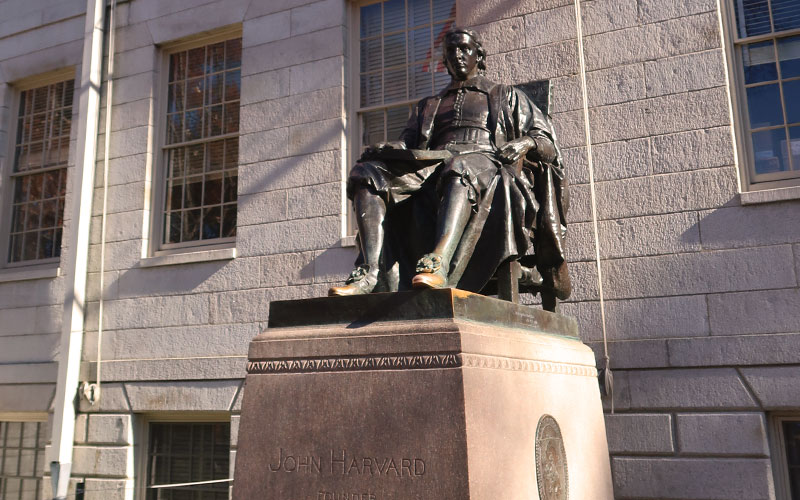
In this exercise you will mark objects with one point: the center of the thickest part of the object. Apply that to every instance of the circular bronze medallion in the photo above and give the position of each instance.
(551, 461)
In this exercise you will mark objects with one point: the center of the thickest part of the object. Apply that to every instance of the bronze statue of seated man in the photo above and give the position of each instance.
(464, 190)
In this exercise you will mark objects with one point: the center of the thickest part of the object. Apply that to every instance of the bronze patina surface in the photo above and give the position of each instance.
(418, 305)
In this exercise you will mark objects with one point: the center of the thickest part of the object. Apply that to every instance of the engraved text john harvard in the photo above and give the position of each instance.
(340, 463)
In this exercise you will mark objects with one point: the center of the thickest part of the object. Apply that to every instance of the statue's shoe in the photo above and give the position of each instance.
(360, 282)
(430, 272)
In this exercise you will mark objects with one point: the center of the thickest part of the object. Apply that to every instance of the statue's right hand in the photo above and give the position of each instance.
(375, 149)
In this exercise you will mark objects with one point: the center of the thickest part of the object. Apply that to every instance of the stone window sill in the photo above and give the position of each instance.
(348, 241)
(29, 273)
(770, 195)
(189, 257)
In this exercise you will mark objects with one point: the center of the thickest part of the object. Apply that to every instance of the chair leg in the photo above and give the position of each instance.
(508, 275)
(549, 301)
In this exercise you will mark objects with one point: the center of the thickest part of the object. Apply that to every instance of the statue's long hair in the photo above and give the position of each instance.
(474, 36)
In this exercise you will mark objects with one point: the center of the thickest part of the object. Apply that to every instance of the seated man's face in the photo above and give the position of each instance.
(461, 56)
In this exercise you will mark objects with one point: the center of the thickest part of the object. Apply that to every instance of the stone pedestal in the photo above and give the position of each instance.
(438, 394)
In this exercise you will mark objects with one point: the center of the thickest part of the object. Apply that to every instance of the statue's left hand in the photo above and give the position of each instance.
(512, 151)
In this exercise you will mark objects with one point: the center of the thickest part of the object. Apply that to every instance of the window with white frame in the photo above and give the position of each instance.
(188, 461)
(767, 53)
(786, 455)
(38, 175)
(399, 62)
(201, 145)
(23, 462)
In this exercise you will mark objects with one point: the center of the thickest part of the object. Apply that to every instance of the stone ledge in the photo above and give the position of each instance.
(189, 257)
(770, 195)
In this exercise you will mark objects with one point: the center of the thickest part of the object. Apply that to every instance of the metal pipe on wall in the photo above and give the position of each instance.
(82, 178)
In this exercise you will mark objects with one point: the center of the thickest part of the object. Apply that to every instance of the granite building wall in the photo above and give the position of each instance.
(702, 294)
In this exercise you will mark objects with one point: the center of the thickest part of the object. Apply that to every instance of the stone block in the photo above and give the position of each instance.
(796, 249)
(239, 306)
(299, 49)
(151, 10)
(767, 311)
(316, 16)
(293, 110)
(316, 137)
(569, 127)
(18, 321)
(126, 116)
(102, 461)
(584, 281)
(132, 62)
(317, 75)
(110, 288)
(34, 348)
(775, 387)
(732, 227)
(658, 317)
(53, 35)
(125, 142)
(653, 41)
(577, 165)
(633, 354)
(769, 349)
(701, 189)
(549, 26)
(265, 29)
(706, 148)
(120, 226)
(80, 428)
(642, 118)
(474, 12)
(600, 16)
(333, 265)
(565, 94)
(126, 170)
(722, 434)
(132, 36)
(184, 342)
(49, 59)
(291, 172)
(502, 36)
(113, 399)
(63, 10)
(289, 236)
(633, 434)
(131, 89)
(287, 269)
(622, 159)
(587, 314)
(107, 489)
(110, 429)
(265, 86)
(316, 201)
(615, 85)
(148, 312)
(26, 397)
(172, 370)
(262, 146)
(657, 10)
(713, 388)
(29, 373)
(193, 20)
(21, 22)
(672, 75)
(535, 63)
(696, 273)
(258, 9)
(688, 479)
(261, 208)
(209, 395)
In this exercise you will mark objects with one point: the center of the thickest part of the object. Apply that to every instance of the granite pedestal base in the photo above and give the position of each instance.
(438, 394)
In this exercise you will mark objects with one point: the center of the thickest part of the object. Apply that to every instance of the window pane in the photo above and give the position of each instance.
(396, 119)
(420, 82)
(394, 85)
(789, 55)
(786, 14)
(419, 44)
(370, 20)
(444, 9)
(394, 50)
(791, 95)
(419, 13)
(370, 54)
(394, 15)
(752, 17)
(373, 128)
(791, 436)
(233, 53)
(764, 104)
(759, 62)
(794, 146)
(770, 151)
(37, 198)
(188, 452)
